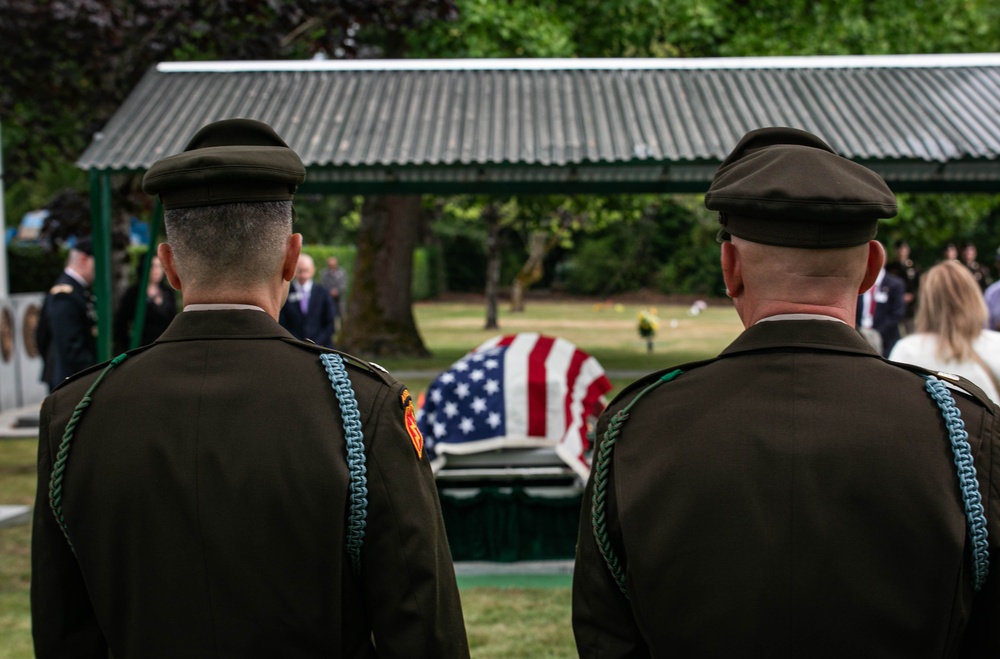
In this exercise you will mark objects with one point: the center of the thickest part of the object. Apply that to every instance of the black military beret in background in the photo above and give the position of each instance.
(228, 161)
(85, 245)
(786, 187)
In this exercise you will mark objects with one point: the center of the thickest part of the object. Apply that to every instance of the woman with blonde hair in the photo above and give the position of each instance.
(950, 337)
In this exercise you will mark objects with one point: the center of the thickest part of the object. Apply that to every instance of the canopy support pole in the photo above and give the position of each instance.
(100, 234)
(139, 321)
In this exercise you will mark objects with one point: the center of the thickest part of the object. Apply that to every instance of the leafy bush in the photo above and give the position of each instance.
(426, 278)
(669, 248)
(32, 269)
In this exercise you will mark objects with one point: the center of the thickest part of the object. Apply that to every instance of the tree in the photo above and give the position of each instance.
(492, 218)
(379, 307)
(66, 65)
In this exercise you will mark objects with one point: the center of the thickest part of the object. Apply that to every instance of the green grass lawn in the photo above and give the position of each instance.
(502, 623)
(17, 486)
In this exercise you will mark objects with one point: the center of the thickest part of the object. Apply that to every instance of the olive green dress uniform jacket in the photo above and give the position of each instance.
(206, 496)
(795, 497)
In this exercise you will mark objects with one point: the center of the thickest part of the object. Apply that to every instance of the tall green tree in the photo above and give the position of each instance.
(66, 65)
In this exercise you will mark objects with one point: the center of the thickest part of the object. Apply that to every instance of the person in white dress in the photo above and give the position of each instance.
(950, 336)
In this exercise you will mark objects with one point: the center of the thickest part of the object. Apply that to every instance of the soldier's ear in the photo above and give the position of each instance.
(732, 273)
(292, 250)
(876, 259)
(169, 269)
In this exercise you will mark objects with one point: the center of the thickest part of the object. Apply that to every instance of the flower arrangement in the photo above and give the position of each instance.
(648, 324)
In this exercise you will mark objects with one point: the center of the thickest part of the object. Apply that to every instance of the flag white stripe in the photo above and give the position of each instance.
(515, 390)
(557, 388)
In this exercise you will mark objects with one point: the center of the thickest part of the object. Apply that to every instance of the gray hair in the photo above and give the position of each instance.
(229, 244)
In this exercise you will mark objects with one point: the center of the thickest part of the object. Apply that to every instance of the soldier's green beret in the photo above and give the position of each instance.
(228, 161)
(787, 187)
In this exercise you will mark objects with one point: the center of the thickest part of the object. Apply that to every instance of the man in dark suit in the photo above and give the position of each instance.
(881, 309)
(308, 311)
(232, 491)
(797, 496)
(910, 272)
(67, 331)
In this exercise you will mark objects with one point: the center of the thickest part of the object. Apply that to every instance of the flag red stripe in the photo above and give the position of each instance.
(537, 389)
(572, 373)
(597, 388)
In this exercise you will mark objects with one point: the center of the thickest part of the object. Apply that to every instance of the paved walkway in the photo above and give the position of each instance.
(20, 422)
(12, 515)
(520, 574)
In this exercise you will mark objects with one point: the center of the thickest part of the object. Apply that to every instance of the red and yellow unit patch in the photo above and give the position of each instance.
(410, 421)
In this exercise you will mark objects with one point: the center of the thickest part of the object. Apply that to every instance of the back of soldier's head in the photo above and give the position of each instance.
(228, 202)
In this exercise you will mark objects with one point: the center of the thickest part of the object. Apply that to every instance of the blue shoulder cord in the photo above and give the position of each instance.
(957, 435)
(967, 481)
(354, 439)
(337, 373)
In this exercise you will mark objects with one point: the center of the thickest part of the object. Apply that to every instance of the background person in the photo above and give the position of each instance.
(881, 309)
(161, 307)
(308, 311)
(979, 272)
(210, 505)
(909, 271)
(992, 297)
(66, 334)
(796, 496)
(950, 335)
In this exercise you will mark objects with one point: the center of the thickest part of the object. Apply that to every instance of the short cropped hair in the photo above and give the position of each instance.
(950, 305)
(229, 244)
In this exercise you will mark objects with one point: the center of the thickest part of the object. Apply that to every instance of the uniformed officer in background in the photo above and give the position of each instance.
(66, 334)
(797, 496)
(230, 491)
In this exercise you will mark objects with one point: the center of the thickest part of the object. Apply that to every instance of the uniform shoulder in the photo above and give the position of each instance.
(955, 382)
(352, 363)
(60, 289)
(631, 390)
(87, 375)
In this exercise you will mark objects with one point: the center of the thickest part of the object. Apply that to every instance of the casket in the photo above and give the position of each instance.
(509, 430)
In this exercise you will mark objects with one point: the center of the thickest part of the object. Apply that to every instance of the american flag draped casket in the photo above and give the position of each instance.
(517, 391)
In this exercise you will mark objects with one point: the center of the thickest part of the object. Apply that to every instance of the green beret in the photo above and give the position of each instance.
(229, 161)
(786, 187)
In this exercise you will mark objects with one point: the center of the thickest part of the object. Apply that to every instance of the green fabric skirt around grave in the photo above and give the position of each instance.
(511, 523)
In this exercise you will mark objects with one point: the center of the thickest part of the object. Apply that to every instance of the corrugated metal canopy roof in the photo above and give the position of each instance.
(925, 122)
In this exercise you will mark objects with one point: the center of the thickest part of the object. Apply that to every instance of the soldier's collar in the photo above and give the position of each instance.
(76, 276)
(221, 307)
(800, 316)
